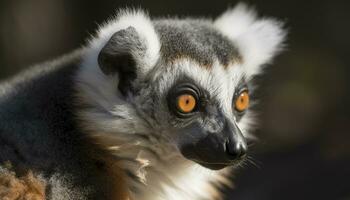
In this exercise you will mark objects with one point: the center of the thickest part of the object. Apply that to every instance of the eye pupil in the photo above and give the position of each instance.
(186, 103)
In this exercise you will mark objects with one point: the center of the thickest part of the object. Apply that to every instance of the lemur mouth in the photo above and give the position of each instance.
(219, 166)
(214, 166)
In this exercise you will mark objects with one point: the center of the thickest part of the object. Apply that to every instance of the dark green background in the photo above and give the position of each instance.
(304, 147)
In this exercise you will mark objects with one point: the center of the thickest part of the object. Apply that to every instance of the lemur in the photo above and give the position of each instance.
(149, 109)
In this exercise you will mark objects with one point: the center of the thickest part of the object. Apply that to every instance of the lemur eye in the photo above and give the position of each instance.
(184, 99)
(242, 101)
(186, 103)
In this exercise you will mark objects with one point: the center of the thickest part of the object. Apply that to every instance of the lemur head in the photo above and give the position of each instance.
(182, 84)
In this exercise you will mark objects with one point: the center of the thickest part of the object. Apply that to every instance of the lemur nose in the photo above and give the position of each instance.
(236, 151)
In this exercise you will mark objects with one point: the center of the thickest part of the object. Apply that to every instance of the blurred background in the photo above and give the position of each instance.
(304, 147)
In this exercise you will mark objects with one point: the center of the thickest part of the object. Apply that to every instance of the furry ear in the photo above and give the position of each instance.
(122, 53)
(127, 45)
(258, 40)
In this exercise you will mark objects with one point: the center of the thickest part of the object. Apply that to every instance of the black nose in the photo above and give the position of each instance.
(235, 150)
(235, 146)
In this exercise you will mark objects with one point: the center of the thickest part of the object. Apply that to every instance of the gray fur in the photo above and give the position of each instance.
(38, 131)
(195, 39)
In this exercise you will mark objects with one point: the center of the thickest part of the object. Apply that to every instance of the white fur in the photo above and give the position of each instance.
(127, 18)
(179, 179)
(258, 40)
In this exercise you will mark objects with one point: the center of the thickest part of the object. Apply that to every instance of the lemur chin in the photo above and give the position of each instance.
(150, 109)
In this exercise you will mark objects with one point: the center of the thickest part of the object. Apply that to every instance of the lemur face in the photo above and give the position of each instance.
(203, 89)
(187, 80)
(201, 110)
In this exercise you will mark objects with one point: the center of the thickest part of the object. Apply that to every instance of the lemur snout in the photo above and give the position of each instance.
(216, 150)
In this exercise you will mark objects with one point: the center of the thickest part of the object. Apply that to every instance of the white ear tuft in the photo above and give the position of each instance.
(137, 19)
(258, 40)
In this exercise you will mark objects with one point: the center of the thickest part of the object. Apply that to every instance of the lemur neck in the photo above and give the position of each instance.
(168, 176)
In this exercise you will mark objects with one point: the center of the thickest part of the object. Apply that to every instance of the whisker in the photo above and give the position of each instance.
(253, 162)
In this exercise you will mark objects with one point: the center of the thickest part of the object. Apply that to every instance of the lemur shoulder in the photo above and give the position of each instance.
(149, 109)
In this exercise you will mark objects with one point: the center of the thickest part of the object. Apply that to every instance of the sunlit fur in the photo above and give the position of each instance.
(145, 145)
(33, 186)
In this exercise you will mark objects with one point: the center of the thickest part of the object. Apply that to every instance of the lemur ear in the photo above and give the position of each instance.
(258, 40)
(122, 53)
(117, 54)
(127, 46)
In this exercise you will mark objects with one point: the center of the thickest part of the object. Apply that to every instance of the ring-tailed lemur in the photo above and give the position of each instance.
(148, 110)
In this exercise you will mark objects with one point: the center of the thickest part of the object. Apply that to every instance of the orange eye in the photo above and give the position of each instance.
(186, 103)
(242, 102)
